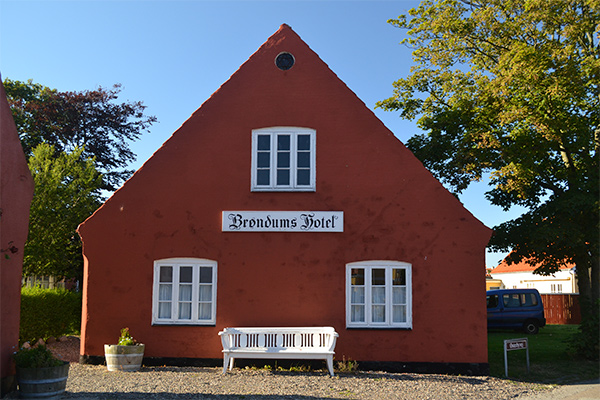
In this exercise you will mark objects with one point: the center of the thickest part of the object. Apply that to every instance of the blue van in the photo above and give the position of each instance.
(515, 309)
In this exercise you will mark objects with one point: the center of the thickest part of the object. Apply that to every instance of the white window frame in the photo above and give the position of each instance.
(272, 132)
(368, 266)
(177, 263)
(556, 288)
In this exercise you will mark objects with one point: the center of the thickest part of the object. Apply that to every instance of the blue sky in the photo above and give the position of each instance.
(173, 55)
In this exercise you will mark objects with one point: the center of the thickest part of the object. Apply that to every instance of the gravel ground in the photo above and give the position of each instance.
(95, 382)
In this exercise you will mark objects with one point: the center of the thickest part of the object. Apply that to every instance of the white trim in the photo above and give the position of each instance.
(388, 266)
(176, 263)
(272, 132)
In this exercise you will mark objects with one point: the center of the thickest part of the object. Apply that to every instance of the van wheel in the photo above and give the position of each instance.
(531, 327)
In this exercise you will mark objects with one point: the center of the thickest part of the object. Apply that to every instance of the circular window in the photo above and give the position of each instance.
(284, 61)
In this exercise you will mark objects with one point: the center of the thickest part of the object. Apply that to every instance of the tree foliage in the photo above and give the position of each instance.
(510, 89)
(91, 120)
(67, 191)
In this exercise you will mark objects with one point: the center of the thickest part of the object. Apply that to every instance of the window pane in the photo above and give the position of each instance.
(185, 274)
(378, 276)
(264, 142)
(303, 177)
(378, 295)
(164, 310)
(528, 299)
(303, 142)
(358, 295)
(205, 274)
(511, 300)
(165, 292)
(303, 159)
(283, 142)
(166, 274)
(492, 301)
(398, 277)
(263, 177)
(399, 314)
(264, 160)
(283, 159)
(185, 310)
(378, 313)
(399, 295)
(358, 276)
(204, 311)
(357, 313)
(185, 293)
(205, 293)
(283, 177)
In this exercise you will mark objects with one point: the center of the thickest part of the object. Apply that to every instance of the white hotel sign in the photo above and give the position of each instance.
(283, 221)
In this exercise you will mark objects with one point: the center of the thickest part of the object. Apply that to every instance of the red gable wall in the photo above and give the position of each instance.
(393, 210)
(16, 192)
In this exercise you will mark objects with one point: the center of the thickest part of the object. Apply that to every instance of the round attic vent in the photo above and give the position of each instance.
(284, 61)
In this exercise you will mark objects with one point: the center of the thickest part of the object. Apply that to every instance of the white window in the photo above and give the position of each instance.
(378, 294)
(556, 288)
(283, 159)
(184, 292)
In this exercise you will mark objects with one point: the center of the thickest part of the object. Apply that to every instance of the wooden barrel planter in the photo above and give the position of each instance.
(123, 358)
(42, 383)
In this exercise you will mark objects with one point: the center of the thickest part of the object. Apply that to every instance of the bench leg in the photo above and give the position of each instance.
(231, 361)
(225, 363)
(330, 365)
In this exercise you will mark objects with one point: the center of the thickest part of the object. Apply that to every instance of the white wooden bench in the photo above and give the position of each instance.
(315, 343)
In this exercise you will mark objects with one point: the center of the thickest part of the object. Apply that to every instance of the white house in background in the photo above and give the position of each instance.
(518, 276)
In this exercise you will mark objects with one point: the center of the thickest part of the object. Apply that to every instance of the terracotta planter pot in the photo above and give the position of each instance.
(123, 358)
(42, 383)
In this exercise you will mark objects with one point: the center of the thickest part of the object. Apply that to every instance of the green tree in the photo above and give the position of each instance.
(510, 90)
(67, 191)
(90, 119)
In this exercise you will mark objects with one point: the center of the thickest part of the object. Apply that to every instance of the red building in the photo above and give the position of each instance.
(283, 201)
(16, 192)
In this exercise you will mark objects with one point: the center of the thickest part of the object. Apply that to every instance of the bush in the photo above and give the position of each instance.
(36, 357)
(586, 343)
(49, 312)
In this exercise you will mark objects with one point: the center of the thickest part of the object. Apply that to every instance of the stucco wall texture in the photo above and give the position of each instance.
(16, 192)
(393, 210)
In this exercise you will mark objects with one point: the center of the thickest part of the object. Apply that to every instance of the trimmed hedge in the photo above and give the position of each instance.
(49, 312)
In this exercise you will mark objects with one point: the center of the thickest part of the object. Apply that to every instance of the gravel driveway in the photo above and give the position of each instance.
(95, 382)
(178, 383)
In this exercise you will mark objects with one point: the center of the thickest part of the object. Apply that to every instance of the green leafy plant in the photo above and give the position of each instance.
(36, 357)
(126, 339)
(585, 342)
(347, 365)
(49, 312)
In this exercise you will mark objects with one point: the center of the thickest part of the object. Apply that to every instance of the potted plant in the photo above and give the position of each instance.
(126, 355)
(40, 374)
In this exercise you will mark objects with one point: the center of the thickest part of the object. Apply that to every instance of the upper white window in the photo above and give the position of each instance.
(283, 159)
(184, 292)
(378, 294)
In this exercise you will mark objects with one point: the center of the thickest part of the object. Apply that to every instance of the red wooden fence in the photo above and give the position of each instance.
(562, 309)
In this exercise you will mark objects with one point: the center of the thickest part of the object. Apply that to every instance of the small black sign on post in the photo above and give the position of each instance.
(515, 344)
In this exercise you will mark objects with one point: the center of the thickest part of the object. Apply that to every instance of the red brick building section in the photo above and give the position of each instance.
(401, 282)
(16, 192)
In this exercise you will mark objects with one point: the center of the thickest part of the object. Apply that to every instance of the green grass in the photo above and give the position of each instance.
(549, 357)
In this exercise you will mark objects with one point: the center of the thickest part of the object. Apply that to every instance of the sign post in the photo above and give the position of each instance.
(515, 344)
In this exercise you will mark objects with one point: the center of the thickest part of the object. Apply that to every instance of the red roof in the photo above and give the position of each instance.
(522, 266)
